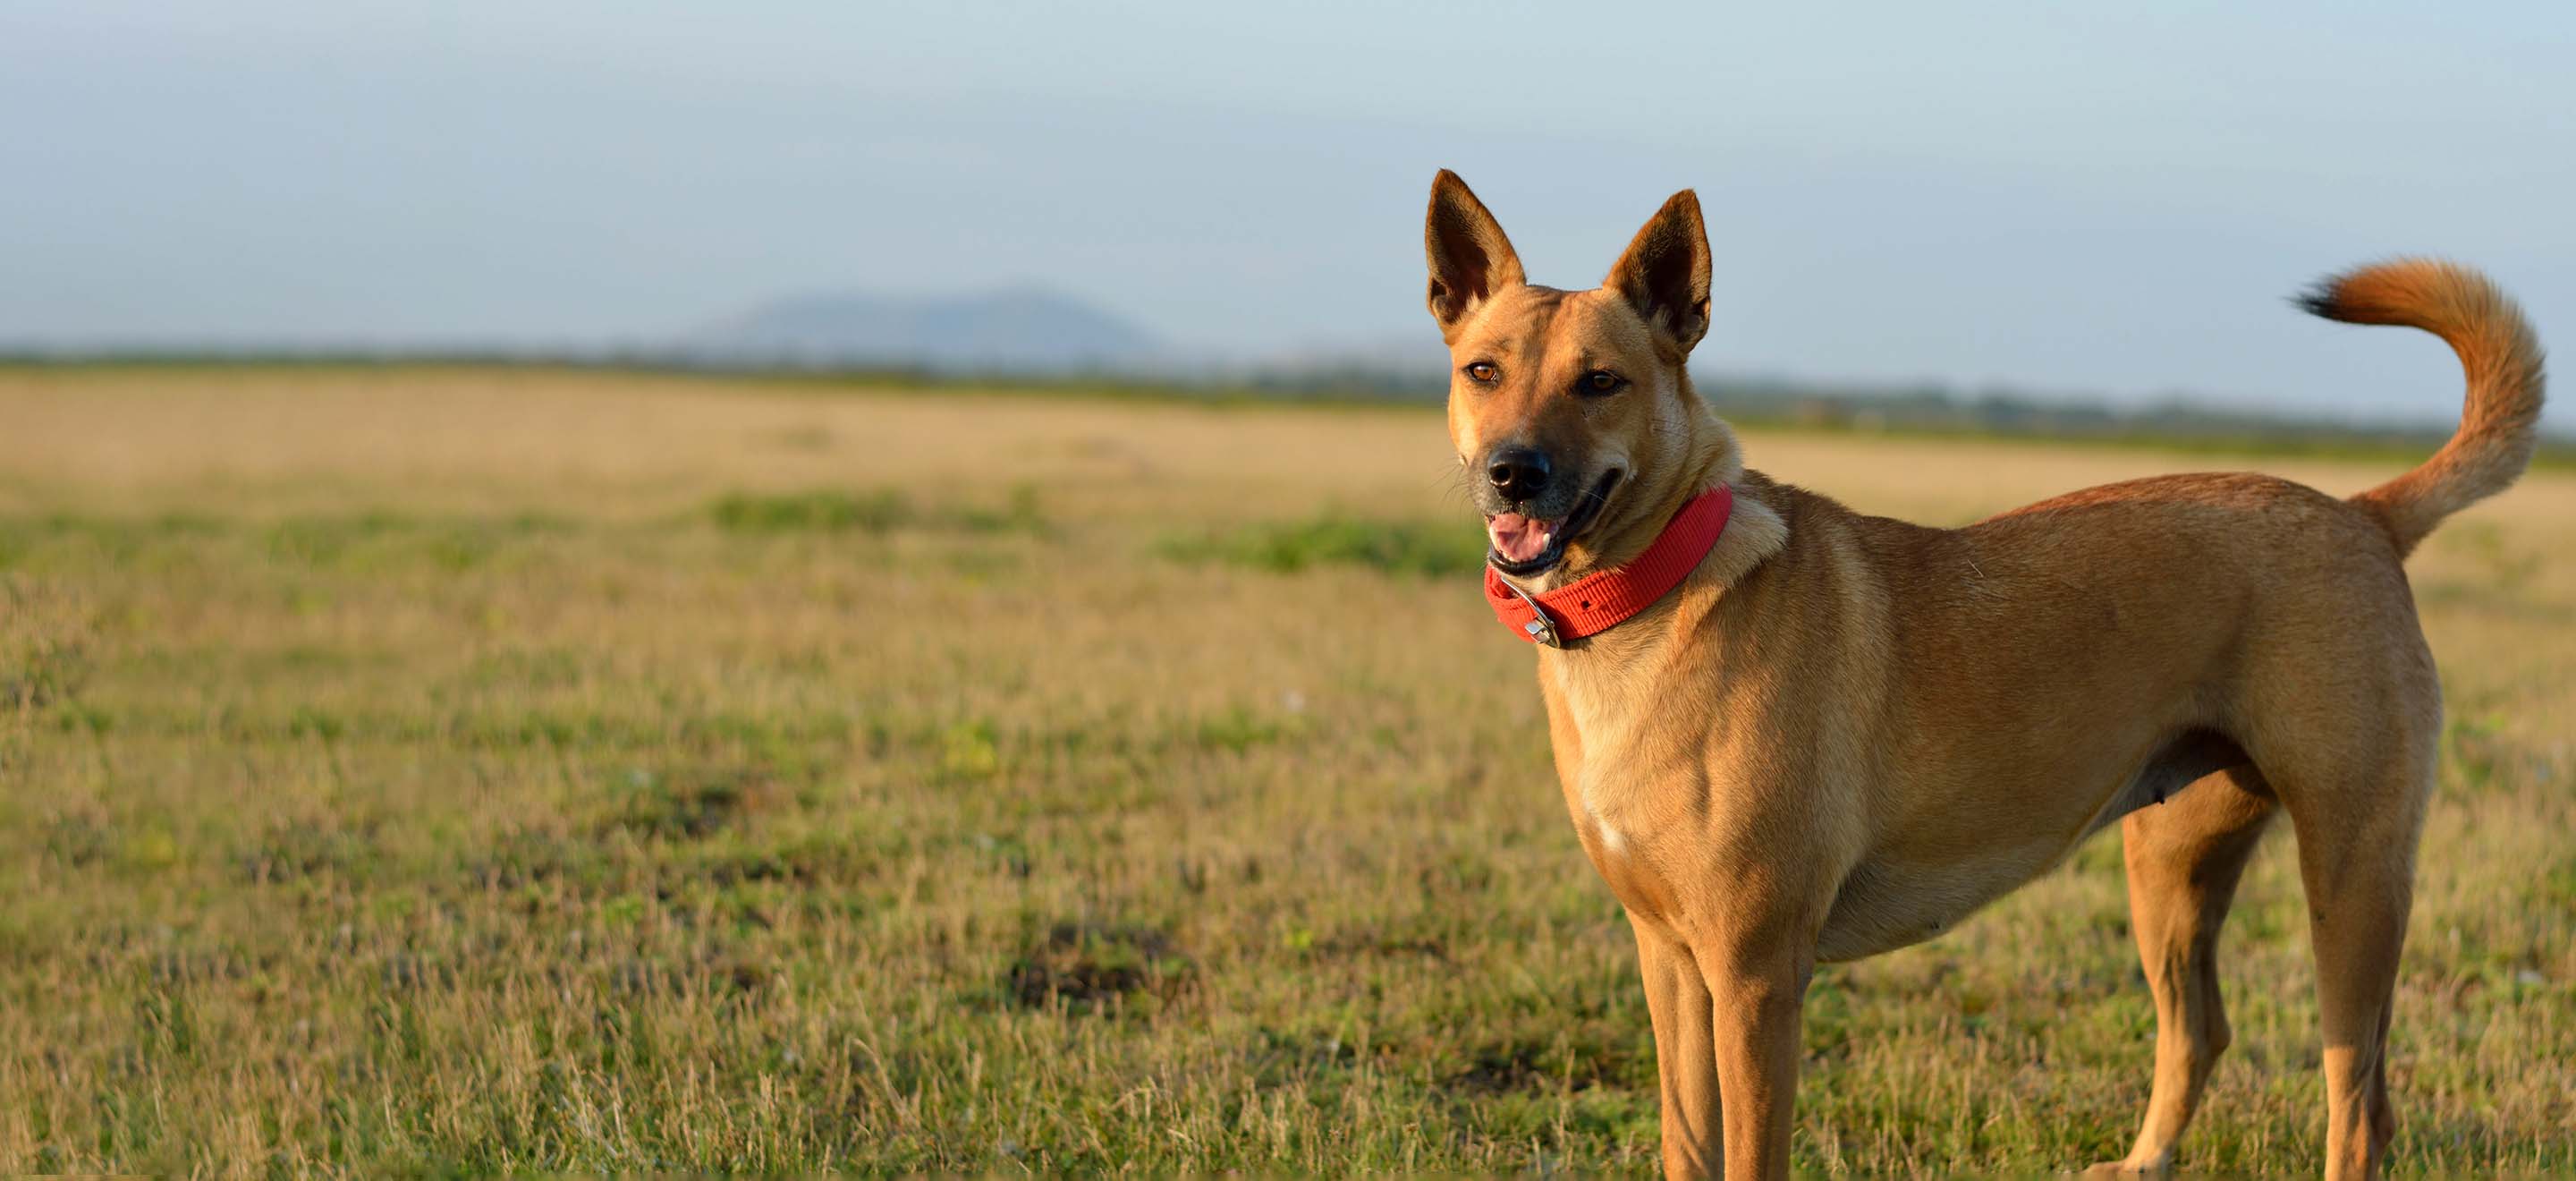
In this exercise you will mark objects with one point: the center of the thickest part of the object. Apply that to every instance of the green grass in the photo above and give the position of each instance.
(792, 824)
(1396, 547)
(824, 511)
(832, 510)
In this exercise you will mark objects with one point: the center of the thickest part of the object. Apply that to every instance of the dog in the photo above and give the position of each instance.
(1789, 733)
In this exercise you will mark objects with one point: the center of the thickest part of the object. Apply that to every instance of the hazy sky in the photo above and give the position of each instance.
(2046, 194)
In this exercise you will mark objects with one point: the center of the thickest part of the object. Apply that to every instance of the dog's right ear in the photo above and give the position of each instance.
(1469, 256)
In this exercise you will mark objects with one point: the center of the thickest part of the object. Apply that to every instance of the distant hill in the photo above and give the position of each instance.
(1037, 338)
(1022, 330)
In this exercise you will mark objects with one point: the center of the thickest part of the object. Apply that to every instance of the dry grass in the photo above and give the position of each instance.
(479, 770)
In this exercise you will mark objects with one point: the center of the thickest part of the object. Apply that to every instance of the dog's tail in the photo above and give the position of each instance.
(2501, 425)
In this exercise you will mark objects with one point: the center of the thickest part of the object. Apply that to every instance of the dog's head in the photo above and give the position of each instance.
(1569, 409)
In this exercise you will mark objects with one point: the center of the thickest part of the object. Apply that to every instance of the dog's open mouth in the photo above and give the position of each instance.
(1523, 546)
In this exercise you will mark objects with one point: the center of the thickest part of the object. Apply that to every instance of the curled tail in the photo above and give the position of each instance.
(2501, 425)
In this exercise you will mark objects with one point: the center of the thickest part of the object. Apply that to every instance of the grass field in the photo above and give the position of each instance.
(462, 770)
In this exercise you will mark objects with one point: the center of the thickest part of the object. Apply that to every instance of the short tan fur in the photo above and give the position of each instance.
(1843, 734)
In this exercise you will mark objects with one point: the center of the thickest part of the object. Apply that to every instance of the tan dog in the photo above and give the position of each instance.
(1842, 734)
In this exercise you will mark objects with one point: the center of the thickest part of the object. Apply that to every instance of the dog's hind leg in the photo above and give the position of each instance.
(2184, 858)
(2357, 861)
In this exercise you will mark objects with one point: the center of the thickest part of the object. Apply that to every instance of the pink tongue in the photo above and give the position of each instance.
(1517, 538)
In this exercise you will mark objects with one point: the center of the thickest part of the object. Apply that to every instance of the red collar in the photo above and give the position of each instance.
(1598, 602)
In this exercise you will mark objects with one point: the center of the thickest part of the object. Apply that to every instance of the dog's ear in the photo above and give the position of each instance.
(1664, 274)
(1469, 256)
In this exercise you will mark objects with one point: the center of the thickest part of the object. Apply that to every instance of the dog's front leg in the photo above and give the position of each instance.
(1758, 994)
(1685, 1053)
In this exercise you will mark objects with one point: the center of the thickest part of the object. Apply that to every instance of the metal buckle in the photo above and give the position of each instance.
(1538, 628)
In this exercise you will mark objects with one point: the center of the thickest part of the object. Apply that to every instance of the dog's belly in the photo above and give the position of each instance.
(1891, 901)
(1885, 905)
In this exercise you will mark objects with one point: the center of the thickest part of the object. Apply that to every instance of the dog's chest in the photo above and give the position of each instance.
(1632, 735)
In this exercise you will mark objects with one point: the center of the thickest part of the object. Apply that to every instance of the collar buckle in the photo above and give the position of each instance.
(1538, 629)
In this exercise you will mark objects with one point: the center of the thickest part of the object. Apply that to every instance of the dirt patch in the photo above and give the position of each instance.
(1530, 1066)
(1100, 967)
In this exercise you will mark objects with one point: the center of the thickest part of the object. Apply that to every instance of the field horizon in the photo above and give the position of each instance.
(461, 769)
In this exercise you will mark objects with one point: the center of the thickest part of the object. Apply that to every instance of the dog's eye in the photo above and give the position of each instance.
(1600, 381)
(1483, 371)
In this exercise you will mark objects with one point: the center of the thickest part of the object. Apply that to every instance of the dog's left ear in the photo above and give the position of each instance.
(1664, 274)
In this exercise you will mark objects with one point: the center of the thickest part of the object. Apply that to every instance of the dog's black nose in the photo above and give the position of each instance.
(1519, 473)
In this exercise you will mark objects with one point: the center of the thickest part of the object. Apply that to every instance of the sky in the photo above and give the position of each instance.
(2097, 198)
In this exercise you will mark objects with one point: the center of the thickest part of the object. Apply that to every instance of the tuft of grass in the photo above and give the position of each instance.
(1019, 513)
(1396, 547)
(302, 848)
(44, 645)
(1101, 968)
(832, 510)
(816, 511)
(970, 750)
(1238, 729)
(689, 802)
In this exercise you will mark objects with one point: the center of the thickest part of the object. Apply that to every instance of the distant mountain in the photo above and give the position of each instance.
(1015, 330)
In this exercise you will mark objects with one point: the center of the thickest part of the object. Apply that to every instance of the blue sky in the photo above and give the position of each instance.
(2086, 197)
